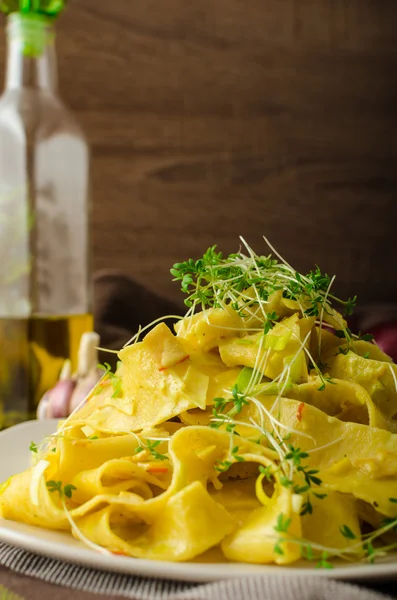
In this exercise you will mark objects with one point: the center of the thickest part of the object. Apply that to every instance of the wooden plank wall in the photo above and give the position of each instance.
(214, 118)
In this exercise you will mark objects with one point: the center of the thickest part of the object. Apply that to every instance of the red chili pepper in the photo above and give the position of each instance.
(300, 410)
(157, 469)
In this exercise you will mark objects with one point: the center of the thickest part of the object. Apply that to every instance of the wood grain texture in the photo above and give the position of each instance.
(214, 118)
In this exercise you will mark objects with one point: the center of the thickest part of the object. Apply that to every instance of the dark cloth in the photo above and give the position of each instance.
(121, 305)
(34, 589)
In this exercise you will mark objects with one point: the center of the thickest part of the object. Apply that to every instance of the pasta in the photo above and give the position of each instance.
(260, 430)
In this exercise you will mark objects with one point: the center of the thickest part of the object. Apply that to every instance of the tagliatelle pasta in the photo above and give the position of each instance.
(261, 428)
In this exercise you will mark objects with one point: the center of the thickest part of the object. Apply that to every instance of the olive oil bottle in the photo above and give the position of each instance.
(44, 212)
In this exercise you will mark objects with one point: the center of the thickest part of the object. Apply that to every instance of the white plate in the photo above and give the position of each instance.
(14, 450)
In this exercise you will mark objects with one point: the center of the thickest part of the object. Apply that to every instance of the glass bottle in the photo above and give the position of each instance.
(44, 213)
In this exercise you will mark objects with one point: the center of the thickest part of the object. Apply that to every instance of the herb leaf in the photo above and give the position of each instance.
(347, 532)
(33, 448)
(282, 524)
(277, 549)
(323, 563)
(58, 487)
(68, 490)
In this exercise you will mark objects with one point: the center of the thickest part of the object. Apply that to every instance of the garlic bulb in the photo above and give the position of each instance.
(72, 389)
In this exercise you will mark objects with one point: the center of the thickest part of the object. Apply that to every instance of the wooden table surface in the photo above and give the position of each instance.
(213, 118)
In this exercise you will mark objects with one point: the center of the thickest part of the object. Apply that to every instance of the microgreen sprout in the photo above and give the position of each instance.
(271, 319)
(150, 446)
(266, 471)
(282, 524)
(223, 465)
(218, 281)
(323, 563)
(114, 379)
(234, 456)
(347, 532)
(63, 490)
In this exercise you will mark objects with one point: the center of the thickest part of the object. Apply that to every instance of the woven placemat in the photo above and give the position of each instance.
(269, 587)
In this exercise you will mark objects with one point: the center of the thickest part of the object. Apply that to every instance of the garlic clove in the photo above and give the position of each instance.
(42, 408)
(87, 373)
(56, 400)
(59, 399)
(83, 388)
(88, 353)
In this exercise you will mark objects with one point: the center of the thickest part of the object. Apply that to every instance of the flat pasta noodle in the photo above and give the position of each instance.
(345, 400)
(262, 431)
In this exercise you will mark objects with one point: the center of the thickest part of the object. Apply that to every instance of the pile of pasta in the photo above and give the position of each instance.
(225, 441)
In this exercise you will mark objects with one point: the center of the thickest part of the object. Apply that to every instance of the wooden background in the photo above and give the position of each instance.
(214, 118)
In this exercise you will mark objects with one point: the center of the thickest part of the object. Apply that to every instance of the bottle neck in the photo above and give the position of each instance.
(31, 56)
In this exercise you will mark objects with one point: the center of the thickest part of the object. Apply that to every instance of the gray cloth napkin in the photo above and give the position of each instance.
(268, 587)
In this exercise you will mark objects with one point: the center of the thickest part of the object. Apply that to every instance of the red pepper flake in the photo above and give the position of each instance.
(183, 359)
(103, 383)
(300, 410)
(119, 553)
(177, 363)
(157, 469)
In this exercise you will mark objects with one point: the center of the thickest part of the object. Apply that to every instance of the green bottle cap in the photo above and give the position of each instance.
(33, 31)
(48, 8)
